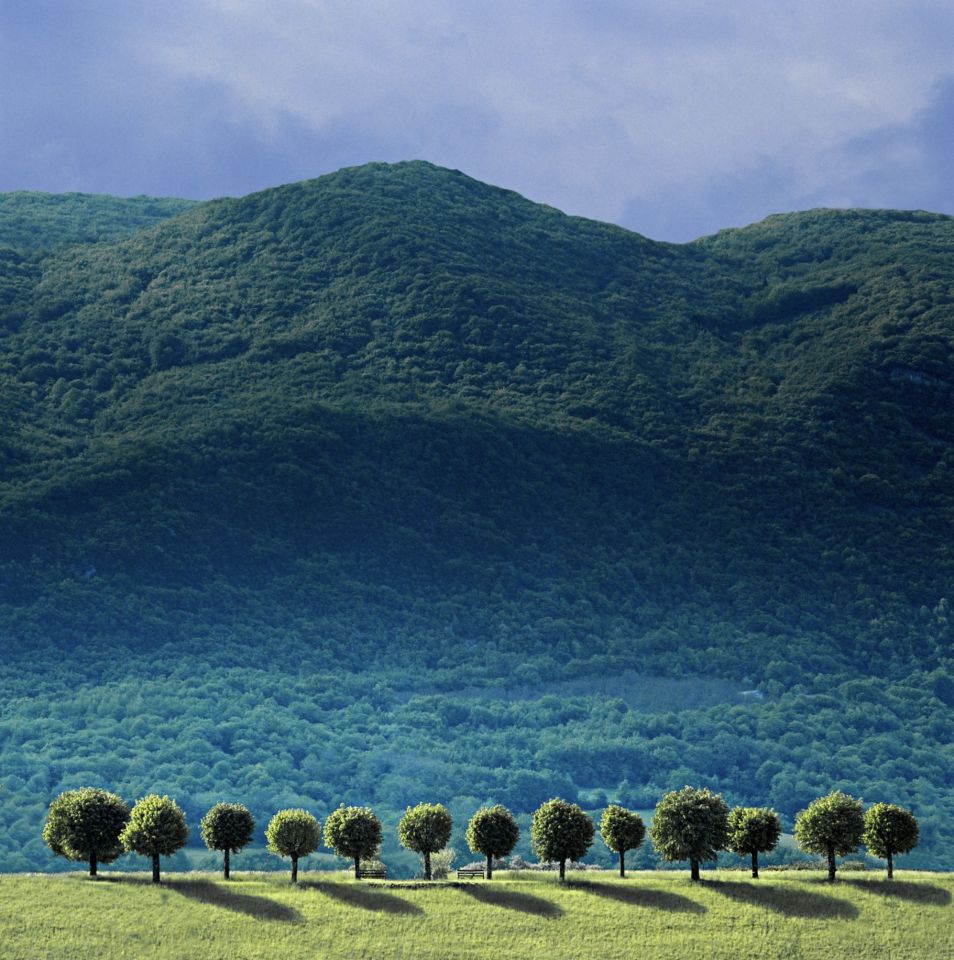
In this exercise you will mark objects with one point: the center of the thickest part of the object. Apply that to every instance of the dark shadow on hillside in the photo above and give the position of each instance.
(219, 895)
(792, 902)
(905, 890)
(511, 900)
(641, 896)
(365, 898)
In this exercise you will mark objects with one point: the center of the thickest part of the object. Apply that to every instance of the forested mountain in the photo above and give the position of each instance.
(359, 489)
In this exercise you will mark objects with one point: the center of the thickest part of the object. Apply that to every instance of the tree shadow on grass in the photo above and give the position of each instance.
(218, 895)
(511, 900)
(792, 901)
(641, 896)
(365, 898)
(905, 890)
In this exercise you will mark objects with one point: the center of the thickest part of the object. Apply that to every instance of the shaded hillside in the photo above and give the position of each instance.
(398, 421)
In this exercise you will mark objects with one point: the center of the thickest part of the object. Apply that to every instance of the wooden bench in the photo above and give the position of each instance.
(372, 874)
(471, 872)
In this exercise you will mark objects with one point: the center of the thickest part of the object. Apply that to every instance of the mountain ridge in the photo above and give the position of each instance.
(396, 423)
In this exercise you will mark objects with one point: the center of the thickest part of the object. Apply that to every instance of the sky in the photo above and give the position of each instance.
(674, 118)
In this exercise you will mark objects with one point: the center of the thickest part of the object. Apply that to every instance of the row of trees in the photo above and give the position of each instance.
(690, 824)
(695, 825)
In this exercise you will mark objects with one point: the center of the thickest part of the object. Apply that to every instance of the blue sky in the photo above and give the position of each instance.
(671, 118)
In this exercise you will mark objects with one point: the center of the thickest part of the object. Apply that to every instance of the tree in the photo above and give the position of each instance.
(227, 827)
(353, 832)
(690, 824)
(157, 827)
(86, 825)
(560, 831)
(831, 825)
(295, 834)
(621, 830)
(753, 830)
(425, 829)
(493, 832)
(890, 829)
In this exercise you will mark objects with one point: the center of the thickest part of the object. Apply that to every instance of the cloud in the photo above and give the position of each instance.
(671, 117)
(897, 166)
(904, 165)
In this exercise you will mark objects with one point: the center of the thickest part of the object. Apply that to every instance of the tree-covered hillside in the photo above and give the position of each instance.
(32, 221)
(412, 464)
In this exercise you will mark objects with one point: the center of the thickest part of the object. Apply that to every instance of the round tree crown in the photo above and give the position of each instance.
(690, 824)
(621, 829)
(353, 832)
(753, 830)
(293, 833)
(493, 832)
(86, 822)
(834, 822)
(890, 829)
(156, 825)
(425, 828)
(561, 831)
(227, 826)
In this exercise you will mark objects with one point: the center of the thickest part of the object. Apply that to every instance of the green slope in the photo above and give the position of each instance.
(521, 915)
(399, 422)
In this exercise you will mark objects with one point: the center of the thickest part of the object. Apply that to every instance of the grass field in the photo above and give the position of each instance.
(516, 916)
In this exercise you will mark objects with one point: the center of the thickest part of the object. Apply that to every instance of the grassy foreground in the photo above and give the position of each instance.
(516, 915)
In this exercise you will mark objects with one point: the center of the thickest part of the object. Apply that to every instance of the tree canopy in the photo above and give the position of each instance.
(86, 824)
(751, 831)
(832, 825)
(690, 824)
(227, 827)
(293, 833)
(561, 831)
(888, 830)
(157, 827)
(494, 832)
(353, 832)
(425, 829)
(621, 830)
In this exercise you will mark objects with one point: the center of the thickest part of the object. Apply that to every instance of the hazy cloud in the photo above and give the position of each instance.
(674, 118)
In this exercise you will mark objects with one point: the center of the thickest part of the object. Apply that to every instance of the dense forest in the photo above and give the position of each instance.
(393, 486)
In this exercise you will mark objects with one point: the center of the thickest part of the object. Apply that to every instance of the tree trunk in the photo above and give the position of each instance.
(693, 869)
(490, 866)
(92, 864)
(622, 863)
(890, 866)
(155, 868)
(294, 878)
(562, 870)
(225, 869)
(427, 865)
(831, 865)
(755, 864)
(357, 868)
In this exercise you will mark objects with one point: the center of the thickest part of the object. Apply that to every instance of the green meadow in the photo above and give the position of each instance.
(525, 915)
